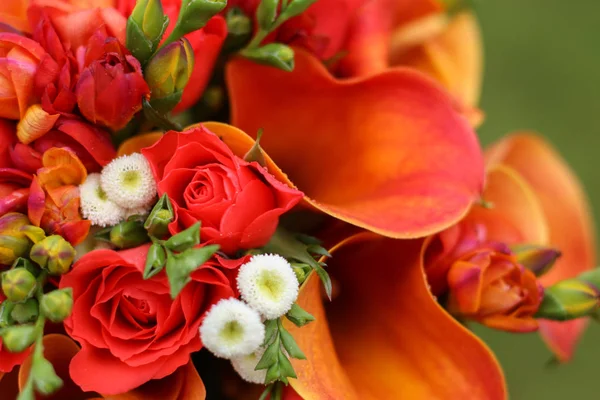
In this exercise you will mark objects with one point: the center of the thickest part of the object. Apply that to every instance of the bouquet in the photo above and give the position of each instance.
(281, 199)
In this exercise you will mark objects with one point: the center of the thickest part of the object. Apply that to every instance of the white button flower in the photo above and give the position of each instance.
(245, 367)
(96, 206)
(232, 329)
(268, 284)
(128, 181)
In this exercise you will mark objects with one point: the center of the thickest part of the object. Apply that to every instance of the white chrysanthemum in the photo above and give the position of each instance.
(128, 181)
(268, 284)
(232, 329)
(96, 206)
(245, 367)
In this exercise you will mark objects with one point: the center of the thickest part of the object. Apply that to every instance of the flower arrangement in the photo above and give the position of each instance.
(269, 199)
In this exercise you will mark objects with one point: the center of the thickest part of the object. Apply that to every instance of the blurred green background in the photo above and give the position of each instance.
(543, 73)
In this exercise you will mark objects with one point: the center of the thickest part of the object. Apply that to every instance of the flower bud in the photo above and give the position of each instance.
(568, 299)
(538, 259)
(157, 223)
(6, 318)
(128, 234)
(167, 74)
(16, 237)
(194, 14)
(145, 28)
(57, 305)
(185, 239)
(18, 338)
(266, 13)
(239, 28)
(23, 313)
(274, 54)
(18, 284)
(53, 253)
(155, 260)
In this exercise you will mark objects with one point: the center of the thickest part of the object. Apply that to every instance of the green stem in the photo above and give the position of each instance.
(38, 349)
(258, 38)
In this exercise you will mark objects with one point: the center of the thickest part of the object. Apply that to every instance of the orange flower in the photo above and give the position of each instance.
(418, 34)
(385, 336)
(389, 152)
(562, 220)
(535, 200)
(19, 60)
(183, 384)
(53, 202)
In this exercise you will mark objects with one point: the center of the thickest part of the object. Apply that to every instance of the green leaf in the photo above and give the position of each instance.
(256, 153)
(273, 373)
(45, 379)
(155, 260)
(184, 239)
(266, 13)
(319, 250)
(103, 235)
(180, 266)
(270, 356)
(288, 246)
(159, 119)
(270, 331)
(296, 7)
(273, 54)
(285, 366)
(298, 316)
(290, 345)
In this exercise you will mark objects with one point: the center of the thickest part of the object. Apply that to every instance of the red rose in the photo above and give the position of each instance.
(129, 329)
(111, 85)
(239, 203)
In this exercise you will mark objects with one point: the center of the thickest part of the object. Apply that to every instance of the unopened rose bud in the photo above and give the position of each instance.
(157, 223)
(569, 299)
(167, 74)
(53, 253)
(18, 338)
(18, 284)
(128, 234)
(145, 28)
(57, 305)
(538, 259)
(274, 54)
(23, 313)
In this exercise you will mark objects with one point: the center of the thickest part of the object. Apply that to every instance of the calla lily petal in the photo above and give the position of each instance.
(418, 175)
(397, 328)
(516, 215)
(566, 209)
(137, 143)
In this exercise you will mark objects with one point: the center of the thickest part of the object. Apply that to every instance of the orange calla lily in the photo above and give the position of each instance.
(417, 174)
(384, 335)
(183, 384)
(566, 212)
(421, 35)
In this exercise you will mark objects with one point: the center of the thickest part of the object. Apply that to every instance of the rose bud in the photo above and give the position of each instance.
(18, 338)
(57, 305)
(488, 285)
(111, 86)
(168, 72)
(538, 259)
(18, 284)
(23, 313)
(569, 299)
(128, 234)
(145, 27)
(53, 253)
